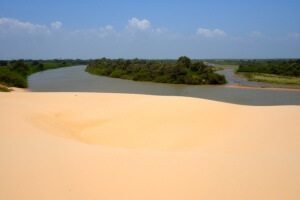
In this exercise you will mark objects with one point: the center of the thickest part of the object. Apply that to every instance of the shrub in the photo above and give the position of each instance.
(216, 79)
(12, 79)
(117, 73)
(20, 67)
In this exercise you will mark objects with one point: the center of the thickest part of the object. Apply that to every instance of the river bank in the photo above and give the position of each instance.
(75, 79)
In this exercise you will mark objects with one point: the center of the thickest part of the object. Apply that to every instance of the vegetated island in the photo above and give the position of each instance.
(284, 72)
(15, 73)
(182, 71)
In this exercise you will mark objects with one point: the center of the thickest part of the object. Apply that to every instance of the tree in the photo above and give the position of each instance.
(163, 71)
(40, 67)
(185, 61)
(198, 66)
(21, 67)
(3, 63)
(35, 63)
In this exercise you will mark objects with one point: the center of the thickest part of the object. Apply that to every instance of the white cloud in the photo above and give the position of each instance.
(107, 28)
(144, 25)
(10, 26)
(56, 25)
(294, 35)
(162, 30)
(28, 40)
(208, 33)
(139, 24)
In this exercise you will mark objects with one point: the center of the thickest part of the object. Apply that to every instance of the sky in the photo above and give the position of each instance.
(156, 29)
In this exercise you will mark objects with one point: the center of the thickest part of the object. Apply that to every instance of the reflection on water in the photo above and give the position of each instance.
(75, 79)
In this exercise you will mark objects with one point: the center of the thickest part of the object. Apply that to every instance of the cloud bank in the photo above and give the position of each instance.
(137, 38)
(56, 25)
(139, 24)
(13, 26)
(210, 33)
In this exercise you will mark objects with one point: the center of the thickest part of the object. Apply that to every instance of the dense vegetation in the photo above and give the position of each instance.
(224, 62)
(182, 71)
(278, 67)
(14, 73)
(291, 81)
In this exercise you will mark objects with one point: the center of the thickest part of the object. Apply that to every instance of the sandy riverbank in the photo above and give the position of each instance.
(264, 88)
(119, 146)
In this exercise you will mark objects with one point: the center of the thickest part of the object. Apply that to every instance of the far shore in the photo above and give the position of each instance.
(263, 88)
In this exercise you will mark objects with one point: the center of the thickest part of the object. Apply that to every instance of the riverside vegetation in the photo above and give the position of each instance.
(182, 71)
(286, 72)
(14, 73)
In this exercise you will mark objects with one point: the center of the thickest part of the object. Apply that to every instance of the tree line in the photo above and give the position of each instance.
(182, 71)
(14, 73)
(278, 67)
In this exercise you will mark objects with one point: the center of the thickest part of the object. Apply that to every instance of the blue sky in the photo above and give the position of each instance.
(149, 29)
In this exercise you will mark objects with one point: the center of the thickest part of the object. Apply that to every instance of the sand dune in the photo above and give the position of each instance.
(121, 146)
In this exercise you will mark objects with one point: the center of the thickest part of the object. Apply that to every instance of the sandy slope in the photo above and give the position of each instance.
(118, 146)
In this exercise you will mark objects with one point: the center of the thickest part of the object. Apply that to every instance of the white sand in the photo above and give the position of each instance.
(120, 146)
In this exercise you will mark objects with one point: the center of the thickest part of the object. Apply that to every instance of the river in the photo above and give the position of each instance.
(75, 79)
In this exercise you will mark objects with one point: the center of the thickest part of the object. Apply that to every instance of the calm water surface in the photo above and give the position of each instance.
(75, 79)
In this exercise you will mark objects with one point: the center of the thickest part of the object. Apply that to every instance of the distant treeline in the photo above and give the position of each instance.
(14, 73)
(279, 67)
(182, 71)
(224, 62)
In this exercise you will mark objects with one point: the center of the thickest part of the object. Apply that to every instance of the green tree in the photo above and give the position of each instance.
(40, 67)
(3, 63)
(35, 63)
(20, 67)
(185, 61)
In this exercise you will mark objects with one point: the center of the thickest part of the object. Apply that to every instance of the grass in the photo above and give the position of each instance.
(271, 78)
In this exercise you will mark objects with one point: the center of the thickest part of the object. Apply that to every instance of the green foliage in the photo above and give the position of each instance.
(12, 79)
(142, 75)
(279, 67)
(117, 73)
(271, 78)
(216, 79)
(3, 63)
(15, 73)
(35, 63)
(20, 67)
(224, 62)
(183, 71)
(40, 67)
(184, 61)
(198, 66)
